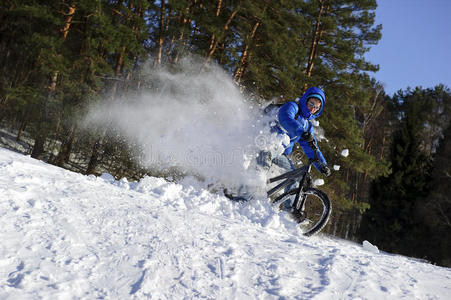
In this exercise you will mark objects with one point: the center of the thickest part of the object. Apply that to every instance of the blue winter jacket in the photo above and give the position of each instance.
(295, 126)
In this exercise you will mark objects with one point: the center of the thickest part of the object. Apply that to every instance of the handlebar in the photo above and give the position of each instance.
(315, 159)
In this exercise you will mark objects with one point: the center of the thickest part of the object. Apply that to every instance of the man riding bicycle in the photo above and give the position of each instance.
(295, 121)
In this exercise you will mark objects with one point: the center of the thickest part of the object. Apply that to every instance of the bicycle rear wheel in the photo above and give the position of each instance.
(316, 211)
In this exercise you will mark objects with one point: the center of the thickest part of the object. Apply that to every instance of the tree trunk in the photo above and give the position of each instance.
(98, 145)
(214, 41)
(161, 37)
(94, 160)
(66, 147)
(38, 148)
(238, 74)
(316, 38)
(218, 8)
(22, 127)
(171, 48)
(65, 31)
(182, 31)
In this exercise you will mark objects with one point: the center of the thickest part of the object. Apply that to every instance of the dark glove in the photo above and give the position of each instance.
(307, 136)
(325, 171)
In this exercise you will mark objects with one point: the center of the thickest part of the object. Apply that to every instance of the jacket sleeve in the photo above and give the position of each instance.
(311, 153)
(287, 119)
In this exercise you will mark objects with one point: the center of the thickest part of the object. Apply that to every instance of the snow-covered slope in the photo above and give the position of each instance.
(64, 235)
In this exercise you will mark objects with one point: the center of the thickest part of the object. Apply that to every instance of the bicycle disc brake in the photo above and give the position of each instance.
(299, 216)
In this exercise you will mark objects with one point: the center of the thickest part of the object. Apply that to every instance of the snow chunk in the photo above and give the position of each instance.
(318, 182)
(123, 183)
(369, 247)
(345, 152)
(108, 177)
(315, 123)
(336, 167)
(147, 184)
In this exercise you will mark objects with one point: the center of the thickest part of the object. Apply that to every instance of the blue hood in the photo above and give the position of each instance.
(312, 92)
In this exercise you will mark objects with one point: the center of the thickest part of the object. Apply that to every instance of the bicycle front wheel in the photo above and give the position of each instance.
(317, 209)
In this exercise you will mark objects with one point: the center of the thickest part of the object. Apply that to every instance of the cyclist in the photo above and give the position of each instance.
(295, 121)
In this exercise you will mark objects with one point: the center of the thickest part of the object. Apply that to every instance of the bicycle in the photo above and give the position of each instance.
(312, 207)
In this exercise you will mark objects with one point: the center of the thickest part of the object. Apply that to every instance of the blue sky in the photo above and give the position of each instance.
(415, 49)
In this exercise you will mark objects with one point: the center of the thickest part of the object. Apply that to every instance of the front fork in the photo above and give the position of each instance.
(299, 200)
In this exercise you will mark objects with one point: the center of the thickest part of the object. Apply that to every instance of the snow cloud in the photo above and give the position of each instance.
(197, 121)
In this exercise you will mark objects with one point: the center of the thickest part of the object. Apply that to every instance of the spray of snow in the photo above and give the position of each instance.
(199, 122)
(318, 182)
(345, 153)
(319, 131)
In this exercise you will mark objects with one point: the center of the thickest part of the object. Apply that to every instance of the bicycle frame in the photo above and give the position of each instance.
(302, 175)
(292, 177)
(305, 211)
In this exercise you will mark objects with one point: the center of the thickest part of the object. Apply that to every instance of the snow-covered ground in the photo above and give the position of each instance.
(65, 235)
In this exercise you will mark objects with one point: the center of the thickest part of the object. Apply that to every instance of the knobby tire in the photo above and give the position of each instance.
(326, 207)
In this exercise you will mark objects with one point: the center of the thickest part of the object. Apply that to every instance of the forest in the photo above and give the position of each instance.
(60, 56)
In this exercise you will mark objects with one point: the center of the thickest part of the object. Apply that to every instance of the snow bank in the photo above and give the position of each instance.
(65, 235)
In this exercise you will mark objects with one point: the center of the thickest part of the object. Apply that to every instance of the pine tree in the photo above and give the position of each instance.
(270, 68)
(390, 223)
(32, 38)
(123, 36)
(435, 209)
